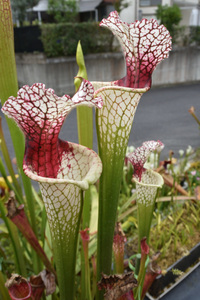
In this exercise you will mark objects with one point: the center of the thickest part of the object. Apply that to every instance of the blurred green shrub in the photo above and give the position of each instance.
(170, 17)
(195, 34)
(63, 11)
(61, 39)
(180, 36)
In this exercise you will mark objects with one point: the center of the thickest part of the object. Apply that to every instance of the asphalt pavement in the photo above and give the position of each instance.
(162, 114)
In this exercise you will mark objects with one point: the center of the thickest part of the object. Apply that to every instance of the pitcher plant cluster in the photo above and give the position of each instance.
(70, 174)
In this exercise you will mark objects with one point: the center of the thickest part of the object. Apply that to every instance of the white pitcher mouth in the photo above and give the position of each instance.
(85, 168)
(100, 86)
(154, 179)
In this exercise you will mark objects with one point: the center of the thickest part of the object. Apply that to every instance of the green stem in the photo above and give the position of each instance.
(195, 117)
(94, 279)
(18, 217)
(86, 292)
(140, 280)
(8, 78)
(119, 264)
(84, 113)
(13, 234)
(87, 280)
(145, 215)
(85, 128)
(85, 224)
(10, 186)
(8, 160)
(113, 123)
(18, 143)
(36, 260)
(3, 290)
(85, 136)
(9, 87)
(37, 265)
(109, 189)
(64, 226)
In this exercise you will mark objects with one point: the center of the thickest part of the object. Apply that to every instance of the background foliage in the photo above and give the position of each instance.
(62, 10)
(19, 8)
(61, 39)
(169, 16)
(195, 34)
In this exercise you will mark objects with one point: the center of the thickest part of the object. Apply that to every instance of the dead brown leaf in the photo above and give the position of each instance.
(117, 285)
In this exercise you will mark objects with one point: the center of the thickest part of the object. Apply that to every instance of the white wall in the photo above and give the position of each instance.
(166, 2)
(129, 14)
(186, 2)
(183, 65)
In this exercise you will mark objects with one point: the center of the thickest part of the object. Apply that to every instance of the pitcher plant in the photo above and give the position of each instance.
(145, 44)
(147, 184)
(63, 169)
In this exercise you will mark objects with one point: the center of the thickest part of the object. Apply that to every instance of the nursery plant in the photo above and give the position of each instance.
(145, 44)
(43, 228)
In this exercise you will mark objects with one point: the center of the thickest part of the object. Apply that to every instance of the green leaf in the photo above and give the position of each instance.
(84, 113)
